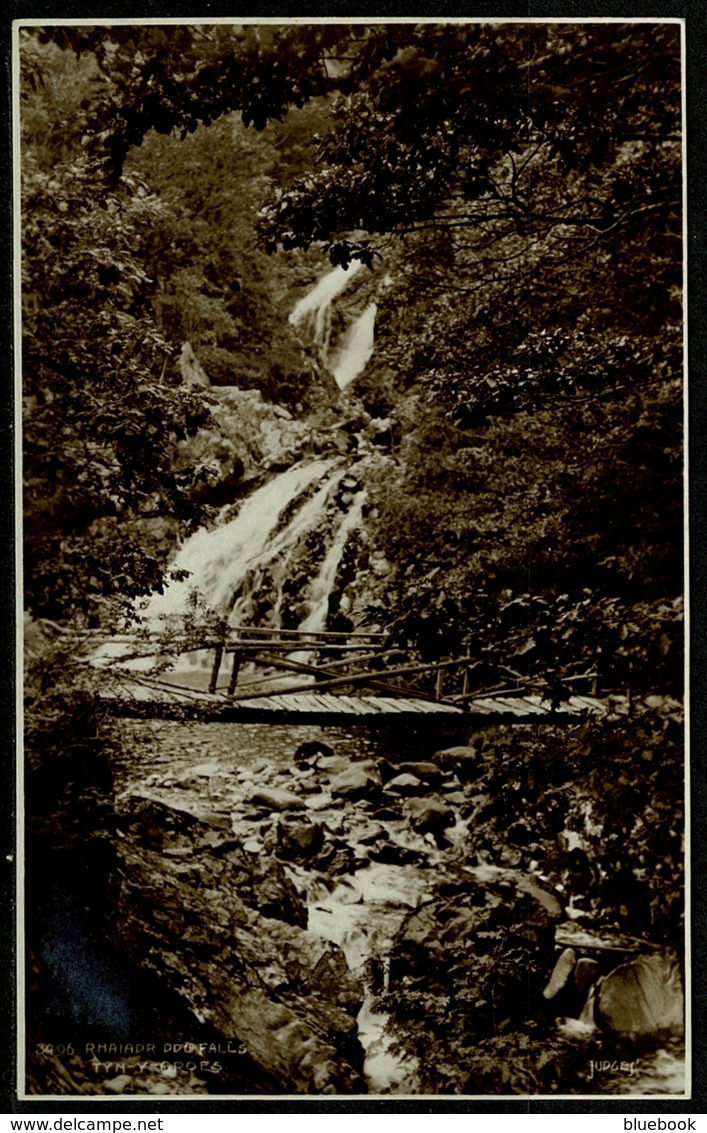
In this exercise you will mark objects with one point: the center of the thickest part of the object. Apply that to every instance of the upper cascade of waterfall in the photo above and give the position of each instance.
(355, 348)
(322, 295)
(348, 355)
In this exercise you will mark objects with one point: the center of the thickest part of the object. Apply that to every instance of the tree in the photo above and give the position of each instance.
(102, 412)
(512, 128)
(532, 176)
(215, 287)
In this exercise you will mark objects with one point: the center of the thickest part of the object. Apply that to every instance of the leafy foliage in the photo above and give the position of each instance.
(547, 547)
(172, 79)
(217, 289)
(466, 980)
(450, 128)
(528, 356)
(101, 420)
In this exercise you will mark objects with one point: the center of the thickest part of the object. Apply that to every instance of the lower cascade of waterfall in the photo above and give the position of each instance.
(220, 560)
(276, 561)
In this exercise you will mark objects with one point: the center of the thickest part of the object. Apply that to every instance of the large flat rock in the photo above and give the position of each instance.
(643, 997)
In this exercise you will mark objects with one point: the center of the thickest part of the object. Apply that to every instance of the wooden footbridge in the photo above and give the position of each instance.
(300, 676)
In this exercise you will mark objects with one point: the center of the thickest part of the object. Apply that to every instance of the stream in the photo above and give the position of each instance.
(222, 765)
(369, 872)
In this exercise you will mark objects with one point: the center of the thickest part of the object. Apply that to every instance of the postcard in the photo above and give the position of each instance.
(352, 394)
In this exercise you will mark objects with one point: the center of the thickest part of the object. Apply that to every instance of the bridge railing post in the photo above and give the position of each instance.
(218, 657)
(439, 684)
(235, 668)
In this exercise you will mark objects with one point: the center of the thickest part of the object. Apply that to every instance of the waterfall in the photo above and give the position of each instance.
(316, 304)
(354, 348)
(282, 551)
(321, 588)
(347, 357)
(362, 914)
(218, 560)
(260, 563)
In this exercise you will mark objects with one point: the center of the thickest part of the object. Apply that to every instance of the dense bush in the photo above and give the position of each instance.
(595, 812)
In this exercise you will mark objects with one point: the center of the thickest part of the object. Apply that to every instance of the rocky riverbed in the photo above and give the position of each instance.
(307, 913)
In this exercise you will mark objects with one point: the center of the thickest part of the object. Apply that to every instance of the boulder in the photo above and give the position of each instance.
(304, 781)
(310, 749)
(277, 798)
(548, 902)
(387, 770)
(394, 853)
(585, 972)
(560, 973)
(455, 797)
(332, 764)
(426, 771)
(387, 814)
(371, 832)
(359, 781)
(261, 883)
(430, 815)
(298, 839)
(320, 801)
(117, 1085)
(160, 825)
(337, 858)
(643, 997)
(463, 760)
(404, 785)
(206, 770)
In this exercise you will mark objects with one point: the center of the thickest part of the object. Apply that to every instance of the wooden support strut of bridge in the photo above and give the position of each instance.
(360, 678)
(218, 657)
(377, 680)
(237, 658)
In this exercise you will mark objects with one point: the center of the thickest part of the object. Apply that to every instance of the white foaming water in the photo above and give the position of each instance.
(227, 565)
(349, 356)
(317, 302)
(355, 348)
(218, 559)
(321, 587)
(362, 915)
(385, 1070)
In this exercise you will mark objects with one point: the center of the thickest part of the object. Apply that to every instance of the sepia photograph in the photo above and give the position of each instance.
(353, 565)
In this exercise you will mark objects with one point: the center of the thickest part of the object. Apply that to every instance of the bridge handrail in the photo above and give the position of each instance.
(240, 632)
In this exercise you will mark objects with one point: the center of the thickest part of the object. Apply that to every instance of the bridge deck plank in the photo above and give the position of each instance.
(515, 706)
(530, 707)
